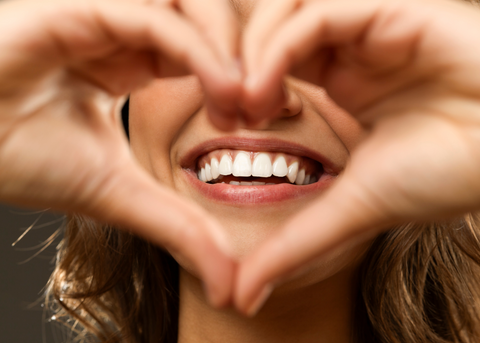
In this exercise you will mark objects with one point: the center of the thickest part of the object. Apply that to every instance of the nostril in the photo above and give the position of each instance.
(293, 103)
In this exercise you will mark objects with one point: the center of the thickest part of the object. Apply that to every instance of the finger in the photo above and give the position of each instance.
(219, 25)
(299, 35)
(59, 33)
(132, 200)
(177, 38)
(266, 18)
(183, 43)
(367, 37)
(341, 215)
(137, 68)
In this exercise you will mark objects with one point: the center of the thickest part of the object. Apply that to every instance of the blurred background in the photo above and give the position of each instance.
(24, 271)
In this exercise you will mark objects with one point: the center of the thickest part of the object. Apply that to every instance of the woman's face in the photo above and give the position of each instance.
(292, 161)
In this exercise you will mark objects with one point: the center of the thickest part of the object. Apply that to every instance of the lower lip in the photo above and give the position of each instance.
(254, 195)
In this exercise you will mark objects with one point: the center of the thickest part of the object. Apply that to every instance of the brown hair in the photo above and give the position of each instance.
(418, 283)
(111, 286)
(421, 283)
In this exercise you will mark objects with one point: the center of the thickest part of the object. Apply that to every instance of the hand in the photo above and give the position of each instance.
(408, 71)
(64, 70)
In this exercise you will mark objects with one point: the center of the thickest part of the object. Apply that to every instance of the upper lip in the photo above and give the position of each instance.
(249, 144)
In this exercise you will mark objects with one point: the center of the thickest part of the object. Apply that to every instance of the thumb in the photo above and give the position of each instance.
(134, 201)
(342, 215)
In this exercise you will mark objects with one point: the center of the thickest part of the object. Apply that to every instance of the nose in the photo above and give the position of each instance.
(293, 103)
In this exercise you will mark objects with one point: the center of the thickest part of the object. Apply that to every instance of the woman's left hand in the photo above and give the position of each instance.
(408, 71)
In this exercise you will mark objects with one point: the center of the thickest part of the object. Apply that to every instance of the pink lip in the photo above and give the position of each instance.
(254, 195)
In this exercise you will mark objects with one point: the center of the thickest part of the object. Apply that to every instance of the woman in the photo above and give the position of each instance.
(341, 276)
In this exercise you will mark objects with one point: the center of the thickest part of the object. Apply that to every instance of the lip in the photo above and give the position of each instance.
(255, 195)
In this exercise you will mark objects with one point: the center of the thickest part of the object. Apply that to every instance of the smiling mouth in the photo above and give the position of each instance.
(248, 168)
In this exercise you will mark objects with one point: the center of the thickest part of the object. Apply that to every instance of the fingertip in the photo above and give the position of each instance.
(219, 290)
(260, 118)
(262, 100)
(249, 295)
(256, 123)
(223, 119)
(259, 300)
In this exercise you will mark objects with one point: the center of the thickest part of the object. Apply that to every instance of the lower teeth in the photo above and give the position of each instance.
(254, 183)
(219, 180)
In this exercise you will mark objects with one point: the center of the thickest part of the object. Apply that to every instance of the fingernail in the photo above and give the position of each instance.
(260, 300)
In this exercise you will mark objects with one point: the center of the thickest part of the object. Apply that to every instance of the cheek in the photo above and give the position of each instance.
(346, 127)
(157, 115)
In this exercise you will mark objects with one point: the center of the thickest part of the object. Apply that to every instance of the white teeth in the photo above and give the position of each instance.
(225, 167)
(307, 180)
(262, 166)
(242, 166)
(208, 172)
(214, 166)
(300, 177)
(292, 172)
(280, 168)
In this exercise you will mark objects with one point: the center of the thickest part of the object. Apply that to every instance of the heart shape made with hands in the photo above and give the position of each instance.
(422, 117)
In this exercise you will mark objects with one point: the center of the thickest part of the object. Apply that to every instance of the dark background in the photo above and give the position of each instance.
(23, 277)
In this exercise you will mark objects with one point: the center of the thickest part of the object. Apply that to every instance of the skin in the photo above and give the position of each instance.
(168, 118)
(403, 69)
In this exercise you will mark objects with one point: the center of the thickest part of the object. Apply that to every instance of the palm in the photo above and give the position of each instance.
(409, 167)
(63, 149)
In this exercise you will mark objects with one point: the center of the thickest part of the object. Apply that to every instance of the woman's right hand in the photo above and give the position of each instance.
(65, 68)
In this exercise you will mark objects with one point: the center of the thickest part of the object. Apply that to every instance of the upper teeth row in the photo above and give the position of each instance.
(261, 167)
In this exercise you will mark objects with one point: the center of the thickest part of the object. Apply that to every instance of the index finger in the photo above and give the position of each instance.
(219, 25)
